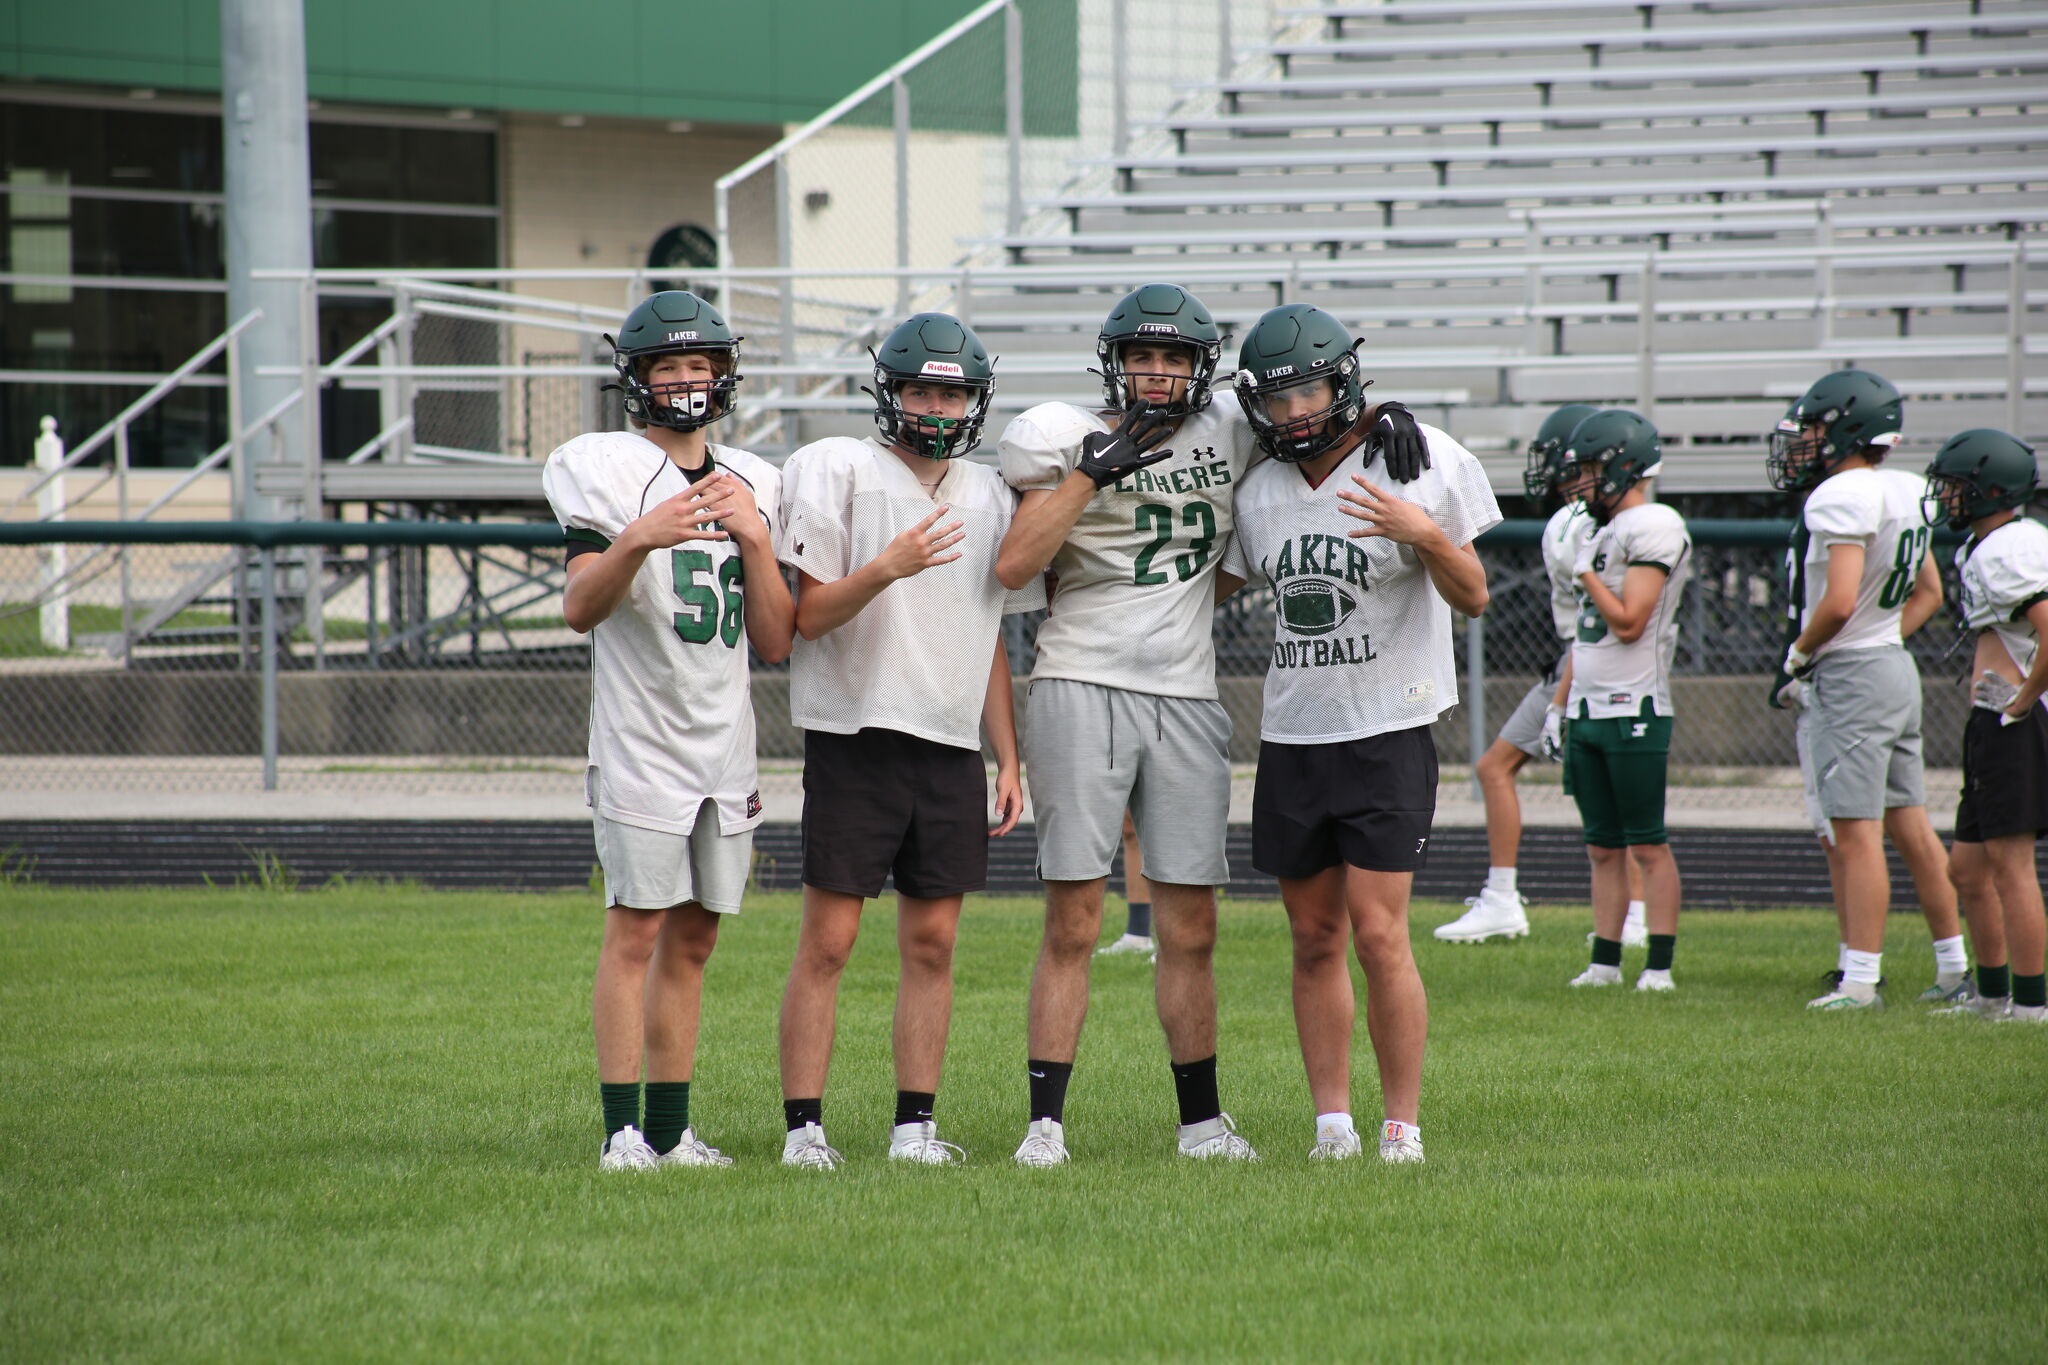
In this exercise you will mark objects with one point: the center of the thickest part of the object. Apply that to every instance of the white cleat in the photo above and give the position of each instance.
(691, 1151)
(1635, 930)
(1597, 975)
(1340, 1148)
(1405, 1150)
(1994, 1008)
(1214, 1139)
(1127, 946)
(807, 1149)
(1841, 998)
(1656, 981)
(1491, 914)
(2025, 1014)
(919, 1143)
(626, 1150)
(1045, 1144)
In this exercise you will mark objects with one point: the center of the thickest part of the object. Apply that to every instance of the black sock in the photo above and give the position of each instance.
(1993, 982)
(1138, 920)
(1049, 1089)
(1661, 946)
(1606, 951)
(2029, 990)
(797, 1113)
(621, 1106)
(914, 1106)
(1195, 1084)
(668, 1113)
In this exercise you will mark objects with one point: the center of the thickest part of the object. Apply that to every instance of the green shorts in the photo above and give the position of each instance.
(1615, 768)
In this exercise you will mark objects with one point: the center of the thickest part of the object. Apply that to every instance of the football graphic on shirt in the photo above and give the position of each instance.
(1314, 606)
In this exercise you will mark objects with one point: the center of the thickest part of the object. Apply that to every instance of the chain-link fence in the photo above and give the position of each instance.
(417, 669)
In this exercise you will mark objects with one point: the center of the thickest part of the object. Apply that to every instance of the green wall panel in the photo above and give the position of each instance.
(774, 61)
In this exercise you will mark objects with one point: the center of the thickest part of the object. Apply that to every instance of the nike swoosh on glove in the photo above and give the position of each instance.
(1107, 456)
(1397, 439)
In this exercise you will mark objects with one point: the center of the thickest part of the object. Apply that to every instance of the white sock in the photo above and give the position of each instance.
(1949, 957)
(1636, 911)
(1192, 1134)
(1841, 957)
(1393, 1130)
(1334, 1127)
(1860, 969)
(1501, 879)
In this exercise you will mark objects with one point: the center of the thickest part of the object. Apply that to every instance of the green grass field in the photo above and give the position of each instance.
(361, 1124)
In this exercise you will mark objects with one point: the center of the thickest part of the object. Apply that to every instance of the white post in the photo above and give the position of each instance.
(56, 610)
(2016, 338)
(1646, 339)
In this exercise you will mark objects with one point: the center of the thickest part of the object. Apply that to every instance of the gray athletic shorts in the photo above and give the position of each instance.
(1524, 729)
(1859, 736)
(652, 869)
(1091, 751)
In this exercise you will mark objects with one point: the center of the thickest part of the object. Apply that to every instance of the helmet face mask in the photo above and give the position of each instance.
(1976, 474)
(1289, 348)
(1159, 316)
(938, 352)
(676, 322)
(1844, 414)
(1546, 472)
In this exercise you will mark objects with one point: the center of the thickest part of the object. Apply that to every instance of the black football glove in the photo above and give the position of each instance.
(1107, 456)
(1397, 439)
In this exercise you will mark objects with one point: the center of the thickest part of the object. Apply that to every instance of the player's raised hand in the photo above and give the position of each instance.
(1397, 439)
(922, 546)
(1398, 519)
(692, 514)
(1107, 456)
(1009, 801)
(737, 511)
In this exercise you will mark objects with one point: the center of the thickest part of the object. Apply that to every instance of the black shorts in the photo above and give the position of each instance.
(2005, 777)
(1366, 802)
(882, 803)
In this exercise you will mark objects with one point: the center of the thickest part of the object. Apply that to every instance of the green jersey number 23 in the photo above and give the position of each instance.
(1198, 519)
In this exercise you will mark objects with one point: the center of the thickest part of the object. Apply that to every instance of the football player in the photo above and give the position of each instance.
(899, 671)
(671, 571)
(1862, 580)
(1617, 686)
(1982, 480)
(1536, 728)
(1130, 507)
(1365, 576)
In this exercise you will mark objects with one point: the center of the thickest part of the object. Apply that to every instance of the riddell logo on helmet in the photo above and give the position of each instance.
(682, 336)
(941, 367)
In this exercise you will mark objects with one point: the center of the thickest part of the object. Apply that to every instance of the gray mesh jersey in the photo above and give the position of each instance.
(1361, 638)
(916, 658)
(671, 709)
(1610, 677)
(1568, 529)
(2003, 575)
(1878, 509)
(1133, 597)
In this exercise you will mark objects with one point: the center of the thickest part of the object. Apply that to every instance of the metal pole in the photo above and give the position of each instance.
(1013, 116)
(127, 584)
(1824, 269)
(901, 95)
(1119, 62)
(784, 248)
(1223, 62)
(401, 341)
(268, 201)
(2016, 338)
(1646, 339)
(267, 571)
(56, 607)
(1475, 700)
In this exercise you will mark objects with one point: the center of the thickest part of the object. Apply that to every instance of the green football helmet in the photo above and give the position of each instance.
(661, 324)
(1977, 473)
(1159, 312)
(1291, 346)
(933, 348)
(1623, 449)
(1855, 412)
(1546, 450)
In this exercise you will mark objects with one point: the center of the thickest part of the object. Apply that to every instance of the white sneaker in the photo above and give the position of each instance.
(806, 1148)
(2025, 1014)
(626, 1150)
(1045, 1144)
(1492, 914)
(1841, 999)
(1597, 975)
(1128, 944)
(1656, 981)
(1214, 1138)
(690, 1151)
(1337, 1148)
(1992, 1007)
(1635, 930)
(919, 1142)
(1400, 1151)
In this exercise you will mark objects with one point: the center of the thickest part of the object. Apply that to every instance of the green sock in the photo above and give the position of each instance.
(668, 1113)
(1993, 982)
(2029, 990)
(1661, 947)
(621, 1106)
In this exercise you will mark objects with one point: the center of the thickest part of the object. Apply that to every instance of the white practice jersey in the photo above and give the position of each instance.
(671, 709)
(916, 658)
(2003, 575)
(1568, 529)
(1878, 509)
(1612, 678)
(1133, 594)
(1361, 639)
